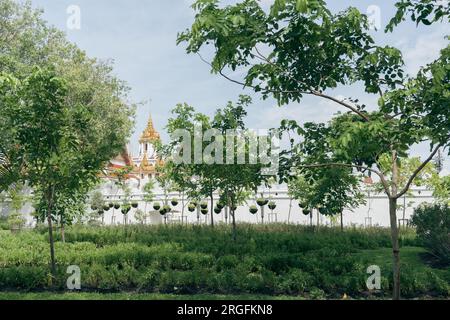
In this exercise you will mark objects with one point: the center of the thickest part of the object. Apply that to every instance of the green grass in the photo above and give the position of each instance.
(133, 296)
(170, 262)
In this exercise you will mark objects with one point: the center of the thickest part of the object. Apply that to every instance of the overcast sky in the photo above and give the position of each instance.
(139, 35)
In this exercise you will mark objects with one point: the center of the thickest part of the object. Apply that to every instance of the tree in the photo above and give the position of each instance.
(97, 202)
(148, 197)
(302, 49)
(237, 180)
(60, 131)
(205, 178)
(329, 190)
(55, 143)
(197, 179)
(140, 216)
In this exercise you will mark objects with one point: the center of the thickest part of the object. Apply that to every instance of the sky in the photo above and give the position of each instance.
(139, 36)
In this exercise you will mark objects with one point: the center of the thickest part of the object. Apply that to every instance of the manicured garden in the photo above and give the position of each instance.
(170, 262)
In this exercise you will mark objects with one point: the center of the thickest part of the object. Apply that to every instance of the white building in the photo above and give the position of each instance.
(144, 165)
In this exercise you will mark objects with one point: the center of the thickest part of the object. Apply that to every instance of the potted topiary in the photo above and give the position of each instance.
(167, 208)
(156, 206)
(220, 205)
(217, 210)
(204, 211)
(174, 202)
(163, 211)
(194, 203)
(191, 207)
(106, 208)
(204, 205)
(116, 206)
(253, 209)
(272, 205)
(111, 205)
(135, 205)
(261, 202)
(306, 212)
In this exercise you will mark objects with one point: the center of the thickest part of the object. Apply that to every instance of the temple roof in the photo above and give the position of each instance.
(150, 134)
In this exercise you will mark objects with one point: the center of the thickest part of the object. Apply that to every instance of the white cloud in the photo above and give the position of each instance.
(423, 50)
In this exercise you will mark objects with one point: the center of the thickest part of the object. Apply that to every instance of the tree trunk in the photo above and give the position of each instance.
(395, 248)
(50, 194)
(226, 215)
(234, 224)
(342, 221)
(63, 232)
(290, 209)
(145, 213)
(198, 214)
(262, 215)
(182, 208)
(318, 219)
(212, 209)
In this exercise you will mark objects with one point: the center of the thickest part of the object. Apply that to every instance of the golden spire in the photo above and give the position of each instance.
(150, 133)
(146, 166)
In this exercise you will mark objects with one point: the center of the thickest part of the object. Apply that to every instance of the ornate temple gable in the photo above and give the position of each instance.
(122, 160)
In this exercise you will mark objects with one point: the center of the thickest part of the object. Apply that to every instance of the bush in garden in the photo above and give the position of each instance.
(432, 223)
(278, 259)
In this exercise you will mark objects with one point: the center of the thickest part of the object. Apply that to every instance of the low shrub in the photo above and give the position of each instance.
(270, 259)
(433, 228)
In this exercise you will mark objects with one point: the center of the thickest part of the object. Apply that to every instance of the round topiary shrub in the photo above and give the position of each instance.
(253, 209)
(261, 202)
(272, 205)
(220, 205)
(156, 206)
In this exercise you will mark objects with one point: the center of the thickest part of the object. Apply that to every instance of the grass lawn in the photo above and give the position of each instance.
(199, 263)
(134, 296)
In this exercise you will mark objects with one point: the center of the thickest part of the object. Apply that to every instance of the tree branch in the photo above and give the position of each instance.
(378, 173)
(417, 171)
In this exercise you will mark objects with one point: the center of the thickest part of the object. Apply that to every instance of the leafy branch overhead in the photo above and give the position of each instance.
(300, 48)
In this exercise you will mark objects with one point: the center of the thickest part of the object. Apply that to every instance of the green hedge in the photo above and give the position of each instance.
(271, 260)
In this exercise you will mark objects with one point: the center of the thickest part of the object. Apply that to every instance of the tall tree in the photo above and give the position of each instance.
(300, 48)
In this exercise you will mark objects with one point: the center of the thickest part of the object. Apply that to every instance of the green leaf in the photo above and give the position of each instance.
(302, 6)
